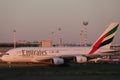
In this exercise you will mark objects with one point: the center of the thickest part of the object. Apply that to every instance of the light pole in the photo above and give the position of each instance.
(14, 32)
(81, 38)
(60, 37)
(85, 23)
(52, 37)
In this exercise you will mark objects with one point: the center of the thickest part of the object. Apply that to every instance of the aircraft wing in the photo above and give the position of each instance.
(76, 58)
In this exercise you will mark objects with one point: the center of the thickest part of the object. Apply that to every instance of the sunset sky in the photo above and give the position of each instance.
(34, 20)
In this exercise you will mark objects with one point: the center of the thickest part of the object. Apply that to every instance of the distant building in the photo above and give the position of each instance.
(44, 43)
(22, 42)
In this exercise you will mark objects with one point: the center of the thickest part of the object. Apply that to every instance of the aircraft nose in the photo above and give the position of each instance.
(1, 56)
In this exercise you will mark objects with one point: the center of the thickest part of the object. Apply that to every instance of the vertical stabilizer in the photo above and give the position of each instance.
(105, 40)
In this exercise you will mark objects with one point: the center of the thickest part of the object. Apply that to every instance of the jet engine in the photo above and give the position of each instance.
(57, 61)
(80, 59)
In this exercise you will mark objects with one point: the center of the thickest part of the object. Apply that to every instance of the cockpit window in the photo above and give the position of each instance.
(3, 54)
(6, 54)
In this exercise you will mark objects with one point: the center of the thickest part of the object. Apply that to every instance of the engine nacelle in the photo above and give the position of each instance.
(57, 61)
(80, 59)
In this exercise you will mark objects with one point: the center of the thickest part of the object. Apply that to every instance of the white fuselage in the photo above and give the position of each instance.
(35, 54)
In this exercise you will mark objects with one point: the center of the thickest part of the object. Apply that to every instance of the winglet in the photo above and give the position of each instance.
(105, 40)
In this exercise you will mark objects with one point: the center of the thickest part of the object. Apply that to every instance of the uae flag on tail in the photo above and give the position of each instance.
(105, 40)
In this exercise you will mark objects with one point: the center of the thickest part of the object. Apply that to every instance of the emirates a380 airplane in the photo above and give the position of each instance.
(62, 55)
